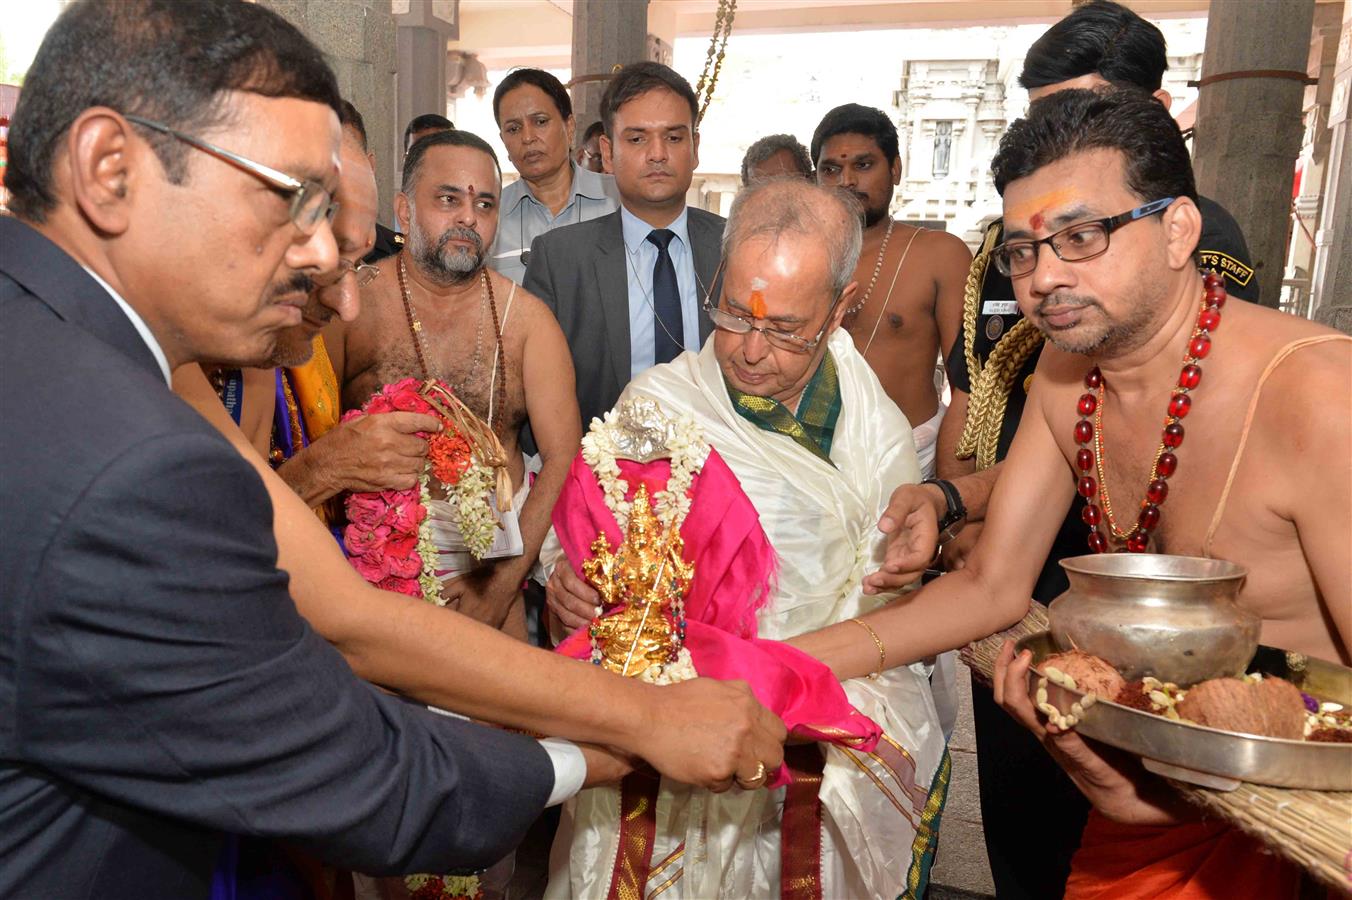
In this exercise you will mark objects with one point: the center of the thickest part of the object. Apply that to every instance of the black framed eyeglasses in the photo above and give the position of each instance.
(784, 340)
(311, 202)
(1074, 243)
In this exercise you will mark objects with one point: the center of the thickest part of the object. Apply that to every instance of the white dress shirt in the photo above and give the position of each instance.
(138, 323)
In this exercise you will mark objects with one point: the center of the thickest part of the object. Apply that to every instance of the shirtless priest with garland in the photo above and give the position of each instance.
(436, 311)
(762, 463)
(1218, 430)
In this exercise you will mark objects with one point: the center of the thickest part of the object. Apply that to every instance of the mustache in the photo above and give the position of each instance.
(299, 283)
(460, 234)
(1052, 301)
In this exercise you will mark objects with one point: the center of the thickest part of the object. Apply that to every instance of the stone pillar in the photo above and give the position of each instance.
(1332, 286)
(421, 55)
(357, 38)
(1249, 129)
(1314, 152)
(605, 33)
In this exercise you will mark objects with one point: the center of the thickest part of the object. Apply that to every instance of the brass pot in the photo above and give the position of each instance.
(1173, 617)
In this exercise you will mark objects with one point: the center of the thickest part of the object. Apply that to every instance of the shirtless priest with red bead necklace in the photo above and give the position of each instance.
(1192, 427)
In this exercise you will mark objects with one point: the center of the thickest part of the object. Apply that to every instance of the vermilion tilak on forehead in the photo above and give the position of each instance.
(757, 305)
(757, 299)
(1039, 206)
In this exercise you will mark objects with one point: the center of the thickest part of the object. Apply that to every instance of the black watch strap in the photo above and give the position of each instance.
(956, 510)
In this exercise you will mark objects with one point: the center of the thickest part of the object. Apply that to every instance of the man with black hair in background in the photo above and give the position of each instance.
(627, 288)
(388, 241)
(588, 153)
(1101, 46)
(901, 321)
(423, 125)
(775, 156)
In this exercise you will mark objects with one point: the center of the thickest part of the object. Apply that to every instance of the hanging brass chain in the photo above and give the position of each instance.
(713, 61)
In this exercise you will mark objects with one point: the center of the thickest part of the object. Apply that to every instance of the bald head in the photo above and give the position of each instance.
(772, 209)
(354, 226)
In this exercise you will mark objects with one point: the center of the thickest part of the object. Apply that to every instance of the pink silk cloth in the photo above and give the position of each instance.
(734, 577)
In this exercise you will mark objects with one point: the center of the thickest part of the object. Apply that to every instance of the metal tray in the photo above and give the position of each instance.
(1209, 756)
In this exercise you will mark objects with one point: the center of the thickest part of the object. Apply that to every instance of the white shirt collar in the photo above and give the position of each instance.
(586, 183)
(636, 231)
(139, 324)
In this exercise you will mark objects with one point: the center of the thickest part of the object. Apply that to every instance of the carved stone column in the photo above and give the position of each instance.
(357, 38)
(605, 33)
(1249, 129)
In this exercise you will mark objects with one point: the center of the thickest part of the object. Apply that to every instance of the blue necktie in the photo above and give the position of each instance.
(668, 329)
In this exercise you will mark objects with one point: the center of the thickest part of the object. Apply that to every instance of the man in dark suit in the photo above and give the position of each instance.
(627, 288)
(158, 687)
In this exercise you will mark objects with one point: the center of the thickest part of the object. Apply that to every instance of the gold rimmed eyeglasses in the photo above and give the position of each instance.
(311, 202)
(784, 340)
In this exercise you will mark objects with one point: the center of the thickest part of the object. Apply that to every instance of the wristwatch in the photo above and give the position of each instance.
(957, 512)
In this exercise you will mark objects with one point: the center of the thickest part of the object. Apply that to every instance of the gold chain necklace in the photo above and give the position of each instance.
(415, 327)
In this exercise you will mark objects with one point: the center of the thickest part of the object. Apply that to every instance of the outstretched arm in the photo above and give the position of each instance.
(700, 731)
(161, 625)
(991, 592)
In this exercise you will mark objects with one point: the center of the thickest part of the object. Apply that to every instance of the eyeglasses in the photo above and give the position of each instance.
(365, 273)
(1075, 243)
(784, 340)
(311, 202)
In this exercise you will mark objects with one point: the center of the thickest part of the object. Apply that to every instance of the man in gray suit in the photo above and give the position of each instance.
(627, 288)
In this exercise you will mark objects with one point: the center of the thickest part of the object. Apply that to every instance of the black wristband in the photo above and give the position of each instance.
(956, 510)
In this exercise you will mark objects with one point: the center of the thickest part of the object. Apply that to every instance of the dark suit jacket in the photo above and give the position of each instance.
(157, 685)
(579, 272)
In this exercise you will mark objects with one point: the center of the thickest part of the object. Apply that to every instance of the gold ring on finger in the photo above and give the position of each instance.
(755, 780)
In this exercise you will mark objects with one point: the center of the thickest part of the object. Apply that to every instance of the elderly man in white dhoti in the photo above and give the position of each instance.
(783, 397)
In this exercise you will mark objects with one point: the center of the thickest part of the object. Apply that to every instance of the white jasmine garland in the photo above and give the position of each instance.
(688, 452)
(683, 669)
(427, 550)
(473, 516)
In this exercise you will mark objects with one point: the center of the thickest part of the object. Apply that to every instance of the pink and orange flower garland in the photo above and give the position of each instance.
(390, 545)
(388, 537)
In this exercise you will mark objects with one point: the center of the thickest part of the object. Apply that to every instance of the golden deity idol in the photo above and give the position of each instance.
(642, 586)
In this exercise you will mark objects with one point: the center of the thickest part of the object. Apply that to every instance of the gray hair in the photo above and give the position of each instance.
(767, 147)
(772, 208)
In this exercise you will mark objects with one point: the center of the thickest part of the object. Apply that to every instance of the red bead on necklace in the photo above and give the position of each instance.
(1089, 458)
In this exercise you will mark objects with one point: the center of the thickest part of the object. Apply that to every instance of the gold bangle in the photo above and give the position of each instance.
(882, 651)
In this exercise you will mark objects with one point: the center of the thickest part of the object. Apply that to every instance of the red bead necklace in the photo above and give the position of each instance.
(1087, 432)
